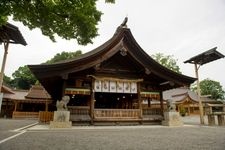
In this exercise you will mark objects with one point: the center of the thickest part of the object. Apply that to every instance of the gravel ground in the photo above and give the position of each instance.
(11, 124)
(155, 138)
(195, 120)
(7, 125)
(116, 138)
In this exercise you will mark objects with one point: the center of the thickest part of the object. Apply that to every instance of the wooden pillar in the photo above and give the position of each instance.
(199, 95)
(15, 108)
(92, 102)
(46, 106)
(211, 120)
(221, 121)
(161, 104)
(189, 111)
(139, 99)
(149, 103)
(6, 46)
(7, 108)
(63, 87)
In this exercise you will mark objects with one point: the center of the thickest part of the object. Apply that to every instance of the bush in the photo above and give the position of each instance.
(182, 111)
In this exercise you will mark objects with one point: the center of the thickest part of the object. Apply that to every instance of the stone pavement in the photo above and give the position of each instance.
(192, 137)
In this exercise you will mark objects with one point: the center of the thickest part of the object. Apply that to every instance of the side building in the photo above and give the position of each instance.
(23, 103)
(186, 101)
(110, 83)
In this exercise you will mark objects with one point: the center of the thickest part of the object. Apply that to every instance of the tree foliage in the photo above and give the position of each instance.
(167, 61)
(69, 19)
(23, 77)
(7, 81)
(212, 88)
(63, 56)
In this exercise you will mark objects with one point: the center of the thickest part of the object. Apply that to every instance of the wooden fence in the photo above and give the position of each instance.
(152, 114)
(46, 116)
(79, 113)
(25, 115)
(116, 114)
(151, 111)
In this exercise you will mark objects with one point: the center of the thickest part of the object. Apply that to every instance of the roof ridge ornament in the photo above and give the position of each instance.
(124, 23)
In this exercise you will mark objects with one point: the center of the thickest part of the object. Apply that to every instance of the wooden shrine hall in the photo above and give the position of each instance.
(109, 83)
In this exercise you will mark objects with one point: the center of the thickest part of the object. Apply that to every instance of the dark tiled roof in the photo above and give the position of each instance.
(11, 33)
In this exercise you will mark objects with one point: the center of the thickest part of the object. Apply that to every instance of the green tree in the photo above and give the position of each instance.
(210, 87)
(69, 19)
(63, 56)
(7, 81)
(167, 61)
(23, 77)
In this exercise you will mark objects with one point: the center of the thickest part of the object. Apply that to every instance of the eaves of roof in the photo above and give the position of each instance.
(122, 37)
(205, 57)
(10, 33)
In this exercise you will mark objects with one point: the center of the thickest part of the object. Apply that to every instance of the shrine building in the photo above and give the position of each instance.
(112, 82)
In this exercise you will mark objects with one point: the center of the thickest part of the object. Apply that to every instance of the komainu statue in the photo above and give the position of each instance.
(62, 105)
(171, 106)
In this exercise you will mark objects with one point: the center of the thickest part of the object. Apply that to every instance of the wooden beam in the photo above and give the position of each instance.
(139, 99)
(6, 46)
(161, 103)
(63, 87)
(46, 106)
(92, 105)
(199, 95)
(15, 108)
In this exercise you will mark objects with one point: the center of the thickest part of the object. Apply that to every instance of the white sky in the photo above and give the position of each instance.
(182, 28)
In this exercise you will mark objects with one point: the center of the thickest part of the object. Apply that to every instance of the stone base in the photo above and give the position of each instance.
(61, 120)
(55, 124)
(172, 119)
(61, 116)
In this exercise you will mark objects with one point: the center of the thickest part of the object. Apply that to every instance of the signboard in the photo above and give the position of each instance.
(105, 86)
(98, 86)
(126, 87)
(133, 87)
(119, 87)
(113, 86)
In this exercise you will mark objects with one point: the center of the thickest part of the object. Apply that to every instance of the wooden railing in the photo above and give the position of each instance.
(152, 114)
(151, 111)
(79, 110)
(79, 113)
(82, 113)
(25, 115)
(116, 114)
(46, 116)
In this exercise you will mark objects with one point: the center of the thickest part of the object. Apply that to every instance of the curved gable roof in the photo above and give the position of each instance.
(121, 40)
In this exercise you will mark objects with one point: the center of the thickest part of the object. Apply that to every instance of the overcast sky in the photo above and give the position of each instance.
(182, 28)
